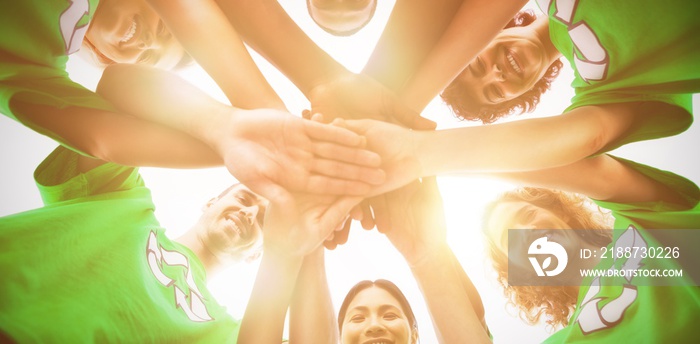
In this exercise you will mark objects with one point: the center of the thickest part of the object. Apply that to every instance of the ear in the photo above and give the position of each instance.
(209, 203)
(414, 336)
(253, 257)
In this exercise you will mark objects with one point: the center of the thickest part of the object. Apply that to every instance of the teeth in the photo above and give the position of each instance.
(129, 34)
(513, 63)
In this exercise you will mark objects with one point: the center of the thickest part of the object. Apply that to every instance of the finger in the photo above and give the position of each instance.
(306, 114)
(356, 212)
(317, 117)
(338, 211)
(381, 214)
(422, 123)
(319, 184)
(367, 216)
(341, 234)
(330, 133)
(330, 245)
(274, 193)
(351, 155)
(335, 169)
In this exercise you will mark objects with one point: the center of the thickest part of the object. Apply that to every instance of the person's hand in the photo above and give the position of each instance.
(300, 225)
(416, 221)
(358, 96)
(274, 153)
(397, 147)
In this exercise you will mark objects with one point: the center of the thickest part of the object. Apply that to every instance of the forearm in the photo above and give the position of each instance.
(207, 35)
(297, 56)
(457, 316)
(601, 177)
(524, 145)
(474, 25)
(165, 98)
(312, 318)
(119, 138)
(412, 30)
(263, 321)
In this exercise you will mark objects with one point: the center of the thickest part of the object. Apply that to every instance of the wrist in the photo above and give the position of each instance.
(429, 258)
(319, 84)
(420, 141)
(217, 125)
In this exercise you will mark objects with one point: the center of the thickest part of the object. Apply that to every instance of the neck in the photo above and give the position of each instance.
(541, 26)
(211, 263)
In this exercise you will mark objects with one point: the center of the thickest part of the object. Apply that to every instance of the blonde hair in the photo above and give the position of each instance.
(556, 302)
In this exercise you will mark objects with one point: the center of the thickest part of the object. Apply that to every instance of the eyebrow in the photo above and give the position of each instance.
(382, 308)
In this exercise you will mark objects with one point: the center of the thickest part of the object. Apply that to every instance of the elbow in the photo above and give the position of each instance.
(596, 136)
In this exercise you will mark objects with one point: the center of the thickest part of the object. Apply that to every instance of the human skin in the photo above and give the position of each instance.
(374, 314)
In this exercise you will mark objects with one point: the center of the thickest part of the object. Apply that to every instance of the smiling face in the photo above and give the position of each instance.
(129, 31)
(375, 316)
(341, 17)
(231, 225)
(508, 67)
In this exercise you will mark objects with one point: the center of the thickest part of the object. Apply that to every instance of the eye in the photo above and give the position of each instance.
(244, 199)
(530, 214)
(481, 66)
(498, 92)
(357, 318)
(391, 316)
(147, 57)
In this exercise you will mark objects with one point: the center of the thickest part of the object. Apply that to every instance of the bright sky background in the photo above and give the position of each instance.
(180, 194)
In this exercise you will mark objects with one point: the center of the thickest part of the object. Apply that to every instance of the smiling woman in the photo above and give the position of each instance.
(132, 32)
(377, 313)
(511, 73)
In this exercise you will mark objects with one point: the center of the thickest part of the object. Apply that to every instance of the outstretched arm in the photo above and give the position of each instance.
(292, 231)
(417, 229)
(330, 87)
(523, 145)
(270, 151)
(602, 177)
(411, 32)
(203, 29)
(116, 137)
(311, 313)
(474, 25)
(297, 56)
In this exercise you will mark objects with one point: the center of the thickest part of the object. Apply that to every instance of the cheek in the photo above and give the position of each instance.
(350, 334)
(401, 331)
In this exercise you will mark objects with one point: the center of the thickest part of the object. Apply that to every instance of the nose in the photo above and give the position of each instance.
(148, 41)
(374, 327)
(495, 74)
(250, 213)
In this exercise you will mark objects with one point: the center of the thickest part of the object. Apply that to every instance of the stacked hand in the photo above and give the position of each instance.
(275, 153)
(416, 220)
(298, 226)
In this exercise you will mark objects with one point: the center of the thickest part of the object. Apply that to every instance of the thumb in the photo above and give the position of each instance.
(338, 211)
(274, 193)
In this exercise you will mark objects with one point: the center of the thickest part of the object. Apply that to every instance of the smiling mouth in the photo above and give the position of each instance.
(510, 56)
(129, 33)
(379, 341)
(236, 224)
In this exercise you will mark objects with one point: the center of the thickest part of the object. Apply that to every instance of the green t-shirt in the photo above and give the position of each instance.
(94, 265)
(640, 51)
(37, 37)
(633, 311)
